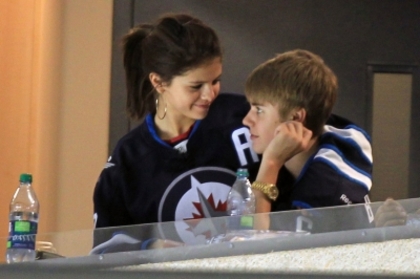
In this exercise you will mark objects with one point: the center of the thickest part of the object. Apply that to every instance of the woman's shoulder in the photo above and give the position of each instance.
(135, 139)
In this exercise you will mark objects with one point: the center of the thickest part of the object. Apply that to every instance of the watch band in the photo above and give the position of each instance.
(270, 190)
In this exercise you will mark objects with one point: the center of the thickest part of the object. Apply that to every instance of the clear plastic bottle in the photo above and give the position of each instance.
(241, 202)
(23, 222)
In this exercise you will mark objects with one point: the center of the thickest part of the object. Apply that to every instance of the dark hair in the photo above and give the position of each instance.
(296, 79)
(173, 45)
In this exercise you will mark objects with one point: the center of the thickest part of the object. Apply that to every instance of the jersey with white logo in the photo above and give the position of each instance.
(340, 173)
(146, 180)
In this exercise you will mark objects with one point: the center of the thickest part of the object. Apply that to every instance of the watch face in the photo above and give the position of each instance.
(274, 192)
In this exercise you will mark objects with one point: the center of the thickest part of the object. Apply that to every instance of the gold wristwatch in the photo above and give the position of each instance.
(270, 190)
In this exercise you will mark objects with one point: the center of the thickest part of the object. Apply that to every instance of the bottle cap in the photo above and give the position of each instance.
(242, 172)
(26, 177)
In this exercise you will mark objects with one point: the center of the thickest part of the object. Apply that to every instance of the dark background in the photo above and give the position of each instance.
(355, 37)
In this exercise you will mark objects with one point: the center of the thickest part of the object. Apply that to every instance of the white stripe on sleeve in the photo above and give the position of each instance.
(332, 158)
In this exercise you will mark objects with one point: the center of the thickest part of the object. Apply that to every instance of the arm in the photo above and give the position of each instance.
(290, 138)
(267, 173)
(109, 206)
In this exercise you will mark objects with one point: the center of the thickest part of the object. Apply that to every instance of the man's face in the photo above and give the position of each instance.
(262, 120)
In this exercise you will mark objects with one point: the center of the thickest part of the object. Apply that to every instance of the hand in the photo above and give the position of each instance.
(390, 213)
(262, 221)
(165, 243)
(290, 138)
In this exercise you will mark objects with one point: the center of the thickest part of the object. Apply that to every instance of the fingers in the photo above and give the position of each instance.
(299, 132)
(391, 218)
(165, 243)
(391, 205)
(390, 213)
(290, 138)
(395, 222)
(171, 243)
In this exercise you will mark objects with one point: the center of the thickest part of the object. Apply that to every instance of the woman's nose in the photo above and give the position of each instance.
(210, 93)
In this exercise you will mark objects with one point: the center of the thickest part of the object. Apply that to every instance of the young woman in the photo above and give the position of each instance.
(180, 162)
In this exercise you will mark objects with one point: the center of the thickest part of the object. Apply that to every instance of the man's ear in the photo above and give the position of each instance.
(299, 115)
(156, 82)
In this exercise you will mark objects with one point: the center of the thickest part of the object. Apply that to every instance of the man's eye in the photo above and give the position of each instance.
(259, 110)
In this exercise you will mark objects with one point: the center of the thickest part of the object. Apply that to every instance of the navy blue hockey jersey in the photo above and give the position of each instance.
(339, 173)
(146, 180)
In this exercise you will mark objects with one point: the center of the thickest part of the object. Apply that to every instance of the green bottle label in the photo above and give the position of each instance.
(22, 235)
(241, 222)
(247, 222)
(22, 226)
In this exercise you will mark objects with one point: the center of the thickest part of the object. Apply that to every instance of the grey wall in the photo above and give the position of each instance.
(349, 34)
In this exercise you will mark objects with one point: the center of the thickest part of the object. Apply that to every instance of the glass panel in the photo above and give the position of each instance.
(213, 237)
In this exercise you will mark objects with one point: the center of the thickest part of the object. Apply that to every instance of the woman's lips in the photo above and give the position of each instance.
(203, 106)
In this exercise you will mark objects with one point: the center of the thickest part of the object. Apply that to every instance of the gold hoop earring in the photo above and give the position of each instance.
(157, 108)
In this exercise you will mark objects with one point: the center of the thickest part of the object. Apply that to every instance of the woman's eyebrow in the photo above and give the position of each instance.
(199, 81)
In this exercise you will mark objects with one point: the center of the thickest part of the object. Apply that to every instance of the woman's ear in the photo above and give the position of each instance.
(299, 115)
(156, 82)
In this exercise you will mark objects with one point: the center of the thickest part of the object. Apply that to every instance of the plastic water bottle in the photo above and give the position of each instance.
(241, 203)
(23, 222)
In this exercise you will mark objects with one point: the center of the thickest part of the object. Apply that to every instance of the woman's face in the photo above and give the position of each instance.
(190, 95)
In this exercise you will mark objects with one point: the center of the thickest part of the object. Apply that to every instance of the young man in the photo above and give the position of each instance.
(313, 164)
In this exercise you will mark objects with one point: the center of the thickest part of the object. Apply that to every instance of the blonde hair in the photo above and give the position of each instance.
(296, 79)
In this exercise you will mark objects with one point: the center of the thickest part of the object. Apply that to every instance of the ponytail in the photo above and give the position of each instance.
(139, 89)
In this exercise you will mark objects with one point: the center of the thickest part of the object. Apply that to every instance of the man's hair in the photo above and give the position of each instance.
(295, 79)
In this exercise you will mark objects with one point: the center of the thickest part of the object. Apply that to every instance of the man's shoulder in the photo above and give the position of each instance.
(228, 108)
(336, 123)
(346, 145)
(228, 98)
(346, 161)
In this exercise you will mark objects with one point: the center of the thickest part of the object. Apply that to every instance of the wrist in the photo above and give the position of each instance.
(264, 190)
(147, 243)
(272, 163)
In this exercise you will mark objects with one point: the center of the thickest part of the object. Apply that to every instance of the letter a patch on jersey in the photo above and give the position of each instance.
(242, 140)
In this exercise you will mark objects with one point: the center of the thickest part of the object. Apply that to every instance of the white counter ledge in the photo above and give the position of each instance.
(394, 257)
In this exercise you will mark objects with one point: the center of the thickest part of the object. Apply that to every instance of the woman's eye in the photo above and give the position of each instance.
(216, 81)
(196, 87)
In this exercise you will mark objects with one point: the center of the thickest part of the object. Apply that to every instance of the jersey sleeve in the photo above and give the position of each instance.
(340, 173)
(109, 205)
(323, 186)
(333, 189)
